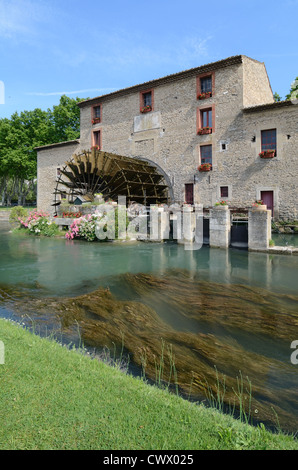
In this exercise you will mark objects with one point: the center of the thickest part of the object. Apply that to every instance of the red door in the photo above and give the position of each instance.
(189, 193)
(267, 198)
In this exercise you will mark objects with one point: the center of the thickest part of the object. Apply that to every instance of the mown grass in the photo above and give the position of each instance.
(53, 397)
(9, 208)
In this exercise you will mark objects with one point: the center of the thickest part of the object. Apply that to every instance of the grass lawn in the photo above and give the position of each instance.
(55, 398)
(8, 208)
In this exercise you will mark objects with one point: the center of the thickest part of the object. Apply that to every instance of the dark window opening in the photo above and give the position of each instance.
(147, 99)
(96, 139)
(206, 154)
(206, 85)
(224, 191)
(96, 112)
(268, 140)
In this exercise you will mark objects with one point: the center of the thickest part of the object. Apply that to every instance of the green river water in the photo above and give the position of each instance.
(221, 314)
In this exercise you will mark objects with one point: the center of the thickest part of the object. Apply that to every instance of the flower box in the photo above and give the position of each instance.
(221, 204)
(203, 96)
(71, 215)
(146, 109)
(95, 120)
(267, 154)
(205, 130)
(258, 206)
(205, 167)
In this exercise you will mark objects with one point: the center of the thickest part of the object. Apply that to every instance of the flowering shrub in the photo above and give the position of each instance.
(84, 227)
(38, 223)
(17, 213)
(101, 225)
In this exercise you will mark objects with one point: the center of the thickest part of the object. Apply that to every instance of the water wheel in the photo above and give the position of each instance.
(95, 171)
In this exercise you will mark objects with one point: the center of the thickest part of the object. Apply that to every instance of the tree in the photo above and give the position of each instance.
(65, 119)
(22, 133)
(293, 95)
(276, 97)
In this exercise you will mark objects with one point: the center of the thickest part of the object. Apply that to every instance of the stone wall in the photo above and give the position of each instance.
(168, 136)
(48, 160)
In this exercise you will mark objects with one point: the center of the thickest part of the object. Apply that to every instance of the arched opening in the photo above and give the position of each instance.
(97, 172)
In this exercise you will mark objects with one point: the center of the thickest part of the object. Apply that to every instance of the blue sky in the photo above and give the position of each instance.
(88, 48)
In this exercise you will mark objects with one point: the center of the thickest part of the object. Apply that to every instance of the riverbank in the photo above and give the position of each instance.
(53, 397)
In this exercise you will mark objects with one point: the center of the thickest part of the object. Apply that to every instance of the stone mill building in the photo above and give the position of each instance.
(214, 132)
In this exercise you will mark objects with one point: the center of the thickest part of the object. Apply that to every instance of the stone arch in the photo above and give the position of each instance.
(89, 173)
(163, 173)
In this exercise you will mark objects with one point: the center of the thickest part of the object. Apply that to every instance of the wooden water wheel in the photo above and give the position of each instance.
(95, 171)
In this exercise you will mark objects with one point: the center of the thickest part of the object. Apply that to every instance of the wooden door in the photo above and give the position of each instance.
(189, 193)
(267, 198)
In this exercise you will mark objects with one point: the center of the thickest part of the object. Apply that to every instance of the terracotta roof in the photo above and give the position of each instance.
(167, 79)
(58, 144)
(263, 107)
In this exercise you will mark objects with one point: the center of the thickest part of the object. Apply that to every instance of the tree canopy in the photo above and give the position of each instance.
(293, 94)
(22, 133)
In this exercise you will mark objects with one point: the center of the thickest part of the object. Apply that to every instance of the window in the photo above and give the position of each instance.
(206, 84)
(96, 111)
(96, 114)
(146, 101)
(268, 140)
(206, 118)
(96, 139)
(206, 154)
(224, 191)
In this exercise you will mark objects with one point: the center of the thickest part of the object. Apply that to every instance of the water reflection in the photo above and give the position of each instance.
(226, 308)
(62, 266)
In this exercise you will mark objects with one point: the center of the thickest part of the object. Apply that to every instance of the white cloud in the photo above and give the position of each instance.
(18, 17)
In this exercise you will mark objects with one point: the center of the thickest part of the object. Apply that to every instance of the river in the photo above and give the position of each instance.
(222, 320)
